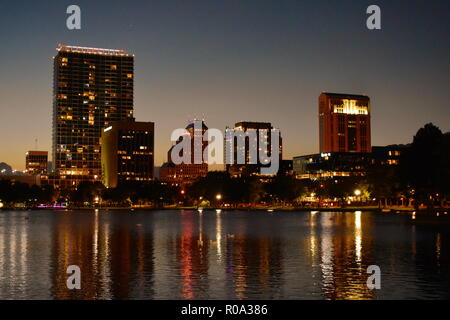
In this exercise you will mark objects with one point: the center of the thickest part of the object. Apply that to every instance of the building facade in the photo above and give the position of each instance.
(251, 166)
(187, 173)
(344, 123)
(332, 165)
(92, 88)
(36, 162)
(346, 164)
(127, 152)
(388, 155)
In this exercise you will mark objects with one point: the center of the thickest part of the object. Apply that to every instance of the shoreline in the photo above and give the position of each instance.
(409, 210)
(436, 217)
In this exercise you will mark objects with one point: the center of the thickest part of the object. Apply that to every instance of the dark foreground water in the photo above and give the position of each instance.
(227, 255)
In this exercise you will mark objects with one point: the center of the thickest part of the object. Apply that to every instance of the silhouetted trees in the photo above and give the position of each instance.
(245, 190)
(425, 166)
(15, 192)
(286, 188)
(135, 192)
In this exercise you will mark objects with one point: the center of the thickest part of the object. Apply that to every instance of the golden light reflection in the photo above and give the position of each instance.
(358, 237)
(219, 234)
(327, 248)
(438, 246)
(313, 237)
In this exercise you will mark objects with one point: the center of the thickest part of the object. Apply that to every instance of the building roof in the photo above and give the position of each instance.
(346, 95)
(191, 124)
(253, 125)
(37, 153)
(89, 50)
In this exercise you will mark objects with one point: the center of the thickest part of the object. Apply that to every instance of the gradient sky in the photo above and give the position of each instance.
(233, 60)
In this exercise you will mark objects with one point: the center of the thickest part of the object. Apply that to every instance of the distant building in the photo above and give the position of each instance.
(345, 164)
(388, 155)
(92, 88)
(331, 165)
(249, 168)
(36, 162)
(186, 173)
(182, 174)
(127, 152)
(344, 123)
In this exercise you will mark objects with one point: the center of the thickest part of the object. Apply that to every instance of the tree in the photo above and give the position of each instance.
(286, 188)
(424, 166)
(383, 182)
(86, 192)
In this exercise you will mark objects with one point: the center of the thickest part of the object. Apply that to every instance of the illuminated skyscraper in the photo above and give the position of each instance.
(92, 88)
(127, 152)
(344, 122)
(251, 166)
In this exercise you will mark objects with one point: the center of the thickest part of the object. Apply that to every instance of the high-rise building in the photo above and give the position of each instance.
(36, 162)
(92, 88)
(127, 152)
(344, 123)
(187, 173)
(251, 166)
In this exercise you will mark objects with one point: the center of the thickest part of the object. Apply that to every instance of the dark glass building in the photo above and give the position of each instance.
(92, 88)
(127, 152)
(345, 164)
(388, 155)
(331, 165)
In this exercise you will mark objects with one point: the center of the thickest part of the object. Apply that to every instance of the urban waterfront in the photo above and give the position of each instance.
(184, 254)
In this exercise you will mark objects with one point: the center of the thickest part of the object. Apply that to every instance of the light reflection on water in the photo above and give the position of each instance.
(220, 255)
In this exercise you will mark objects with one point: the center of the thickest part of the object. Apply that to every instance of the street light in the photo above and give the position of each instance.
(218, 196)
(357, 194)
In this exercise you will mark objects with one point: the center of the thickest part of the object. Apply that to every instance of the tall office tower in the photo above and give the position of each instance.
(92, 88)
(344, 123)
(127, 152)
(187, 173)
(247, 169)
(36, 162)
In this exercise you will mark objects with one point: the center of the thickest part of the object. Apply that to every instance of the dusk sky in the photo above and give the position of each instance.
(233, 60)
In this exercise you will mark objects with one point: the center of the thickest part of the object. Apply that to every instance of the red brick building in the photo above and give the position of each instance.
(344, 123)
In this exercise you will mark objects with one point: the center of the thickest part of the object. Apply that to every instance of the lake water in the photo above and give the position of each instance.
(227, 255)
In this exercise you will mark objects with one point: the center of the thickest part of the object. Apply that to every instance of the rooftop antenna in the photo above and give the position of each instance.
(35, 144)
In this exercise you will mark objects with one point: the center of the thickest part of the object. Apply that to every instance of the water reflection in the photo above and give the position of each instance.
(345, 255)
(220, 255)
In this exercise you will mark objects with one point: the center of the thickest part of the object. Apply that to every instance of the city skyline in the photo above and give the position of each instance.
(263, 75)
